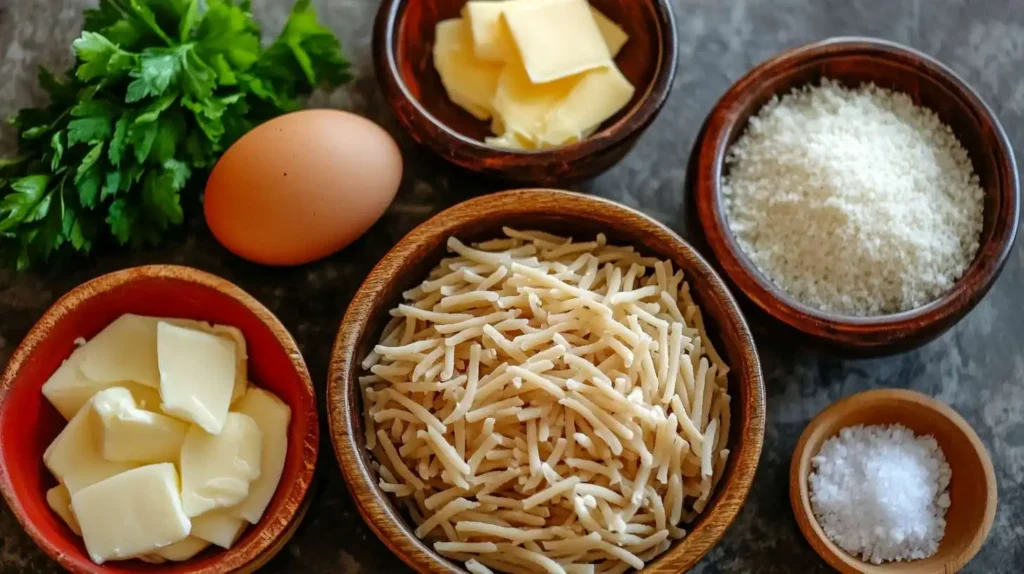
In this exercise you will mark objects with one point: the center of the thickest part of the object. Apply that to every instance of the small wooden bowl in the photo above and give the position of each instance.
(853, 61)
(28, 423)
(403, 43)
(563, 213)
(972, 488)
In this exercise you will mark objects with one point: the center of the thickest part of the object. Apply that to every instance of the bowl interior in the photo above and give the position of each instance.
(28, 423)
(853, 62)
(581, 217)
(413, 44)
(972, 487)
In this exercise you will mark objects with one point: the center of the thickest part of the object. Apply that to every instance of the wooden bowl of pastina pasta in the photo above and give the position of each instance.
(542, 381)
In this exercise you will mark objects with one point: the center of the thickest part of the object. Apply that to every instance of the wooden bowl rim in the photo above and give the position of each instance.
(285, 524)
(449, 142)
(348, 445)
(834, 327)
(843, 409)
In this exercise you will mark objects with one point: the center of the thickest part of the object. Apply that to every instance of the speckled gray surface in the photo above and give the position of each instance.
(978, 367)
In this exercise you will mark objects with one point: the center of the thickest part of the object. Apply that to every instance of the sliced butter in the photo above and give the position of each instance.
(59, 500)
(598, 96)
(131, 434)
(216, 469)
(491, 42)
(272, 416)
(556, 39)
(148, 511)
(218, 527)
(470, 82)
(68, 389)
(187, 549)
(75, 456)
(197, 375)
(614, 36)
(124, 351)
(523, 105)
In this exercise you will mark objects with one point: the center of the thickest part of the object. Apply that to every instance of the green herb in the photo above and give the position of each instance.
(159, 90)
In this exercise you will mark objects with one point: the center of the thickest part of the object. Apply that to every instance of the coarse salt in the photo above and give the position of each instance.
(880, 492)
(854, 201)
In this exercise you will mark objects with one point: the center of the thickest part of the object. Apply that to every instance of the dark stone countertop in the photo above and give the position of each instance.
(978, 367)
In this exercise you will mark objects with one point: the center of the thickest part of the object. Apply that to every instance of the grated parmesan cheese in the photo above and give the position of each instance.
(854, 201)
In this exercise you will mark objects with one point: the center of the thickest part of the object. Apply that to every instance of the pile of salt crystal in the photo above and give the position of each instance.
(880, 492)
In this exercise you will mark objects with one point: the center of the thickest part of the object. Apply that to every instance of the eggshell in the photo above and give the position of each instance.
(302, 186)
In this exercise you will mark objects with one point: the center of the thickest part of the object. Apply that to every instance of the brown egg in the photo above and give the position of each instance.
(302, 186)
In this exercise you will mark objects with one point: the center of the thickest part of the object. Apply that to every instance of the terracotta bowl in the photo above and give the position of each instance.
(28, 423)
(403, 44)
(567, 214)
(854, 61)
(972, 488)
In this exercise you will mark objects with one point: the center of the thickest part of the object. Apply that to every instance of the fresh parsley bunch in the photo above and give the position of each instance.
(160, 88)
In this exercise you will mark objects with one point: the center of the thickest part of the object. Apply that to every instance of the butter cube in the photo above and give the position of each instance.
(556, 39)
(491, 41)
(599, 95)
(75, 457)
(134, 435)
(523, 105)
(187, 549)
(614, 36)
(59, 500)
(197, 375)
(124, 351)
(134, 513)
(272, 416)
(216, 469)
(470, 82)
(218, 527)
(68, 389)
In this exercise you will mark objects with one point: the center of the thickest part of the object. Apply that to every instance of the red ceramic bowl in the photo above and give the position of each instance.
(28, 423)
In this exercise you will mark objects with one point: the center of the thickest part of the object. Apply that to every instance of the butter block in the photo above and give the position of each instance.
(59, 500)
(131, 434)
(216, 469)
(68, 389)
(556, 39)
(599, 95)
(197, 375)
(75, 457)
(272, 416)
(218, 527)
(132, 514)
(124, 351)
(523, 105)
(614, 36)
(470, 82)
(187, 549)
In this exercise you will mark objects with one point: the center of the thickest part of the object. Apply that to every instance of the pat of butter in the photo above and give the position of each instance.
(614, 36)
(470, 82)
(216, 469)
(68, 389)
(197, 375)
(148, 511)
(491, 41)
(523, 105)
(218, 527)
(59, 500)
(75, 456)
(556, 39)
(124, 351)
(187, 549)
(272, 416)
(135, 435)
(598, 96)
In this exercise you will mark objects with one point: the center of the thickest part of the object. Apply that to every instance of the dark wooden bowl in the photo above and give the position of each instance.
(564, 213)
(403, 42)
(853, 61)
(972, 489)
(28, 423)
